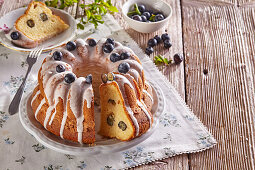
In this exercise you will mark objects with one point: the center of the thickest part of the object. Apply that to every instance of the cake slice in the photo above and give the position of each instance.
(37, 24)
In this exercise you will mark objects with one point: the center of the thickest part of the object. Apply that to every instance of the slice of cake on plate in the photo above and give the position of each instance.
(36, 25)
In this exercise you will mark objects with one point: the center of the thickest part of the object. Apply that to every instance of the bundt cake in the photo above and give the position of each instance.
(36, 25)
(63, 101)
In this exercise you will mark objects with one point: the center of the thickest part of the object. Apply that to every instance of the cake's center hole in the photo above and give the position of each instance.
(96, 69)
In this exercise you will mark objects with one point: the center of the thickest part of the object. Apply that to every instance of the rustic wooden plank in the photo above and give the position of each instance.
(10, 5)
(220, 38)
(175, 74)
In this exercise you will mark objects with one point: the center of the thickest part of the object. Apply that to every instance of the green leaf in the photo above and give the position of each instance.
(80, 26)
(113, 9)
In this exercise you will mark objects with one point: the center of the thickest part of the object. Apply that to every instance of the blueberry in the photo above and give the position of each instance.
(88, 79)
(69, 78)
(124, 68)
(57, 55)
(115, 57)
(167, 44)
(70, 46)
(110, 40)
(124, 55)
(165, 37)
(158, 38)
(137, 18)
(147, 15)
(144, 19)
(159, 17)
(149, 50)
(141, 8)
(43, 17)
(31, 23)
(15, 35)
(108, 48)
(152, 42)
(60, 68)
(178, 58)
(92, 42)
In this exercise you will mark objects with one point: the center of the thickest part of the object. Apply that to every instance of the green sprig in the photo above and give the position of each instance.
(136, 11)
(93, 11)
(158, 60)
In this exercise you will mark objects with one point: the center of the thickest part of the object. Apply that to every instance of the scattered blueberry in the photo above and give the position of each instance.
(152, 42)
(69, 78)
(60, 68)
(124, 55)
(178, 58)
(104, 78)
(147, 15)
(88, 79)
(15, 35)
(92, 42)
(124, 68)
(108, 48)
(159, 17)
(57, 55)
(110, 40)
(141, 8)
(158, 38)
(149, 50)
(137, 18)
(167, 44)
(115, 57)
(70, 46)
(165, 37)
(144, 19)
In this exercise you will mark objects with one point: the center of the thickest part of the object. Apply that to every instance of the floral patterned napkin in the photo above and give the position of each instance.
(179, 130)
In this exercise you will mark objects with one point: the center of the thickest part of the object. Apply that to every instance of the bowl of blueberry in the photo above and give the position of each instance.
(146, 16)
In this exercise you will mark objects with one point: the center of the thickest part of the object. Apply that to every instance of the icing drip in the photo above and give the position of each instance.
(48, 113)
(135, 74)
(39, 107)
(121, 80)
(148, 94)
(35, 96)
(141, 104)
(79, 92)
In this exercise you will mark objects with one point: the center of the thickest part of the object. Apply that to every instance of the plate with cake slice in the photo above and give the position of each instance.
(34, 26)
(92, 97)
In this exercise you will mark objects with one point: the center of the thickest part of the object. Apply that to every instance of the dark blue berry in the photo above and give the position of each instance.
(141, 8)
(88, 79)
(69, 78)
(57, 55)
(144, 19)
(124, 55)
(92, 42)
(60, 68)
(158, 38)
(15, 35)
(178, 58)
(124, 68)
(137, 18)
(115, 57)
(149, 50)
(159, 17)
(152, 42)
(70, 46)
(167, 44)
(165, 37)
(110, 40)
(147, 15)
(108, 48)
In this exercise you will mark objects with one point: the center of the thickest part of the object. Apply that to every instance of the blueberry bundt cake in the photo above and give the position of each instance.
(36, 25)
(63, 101)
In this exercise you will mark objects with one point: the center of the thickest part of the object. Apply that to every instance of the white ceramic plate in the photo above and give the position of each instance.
(8, 20)
(102, 145)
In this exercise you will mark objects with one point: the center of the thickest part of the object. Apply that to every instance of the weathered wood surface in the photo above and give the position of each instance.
(216, 80)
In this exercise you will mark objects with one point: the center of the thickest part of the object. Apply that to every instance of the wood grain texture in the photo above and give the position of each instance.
(219, 38)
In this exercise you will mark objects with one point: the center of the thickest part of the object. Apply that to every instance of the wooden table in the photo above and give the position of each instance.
(216, 80)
